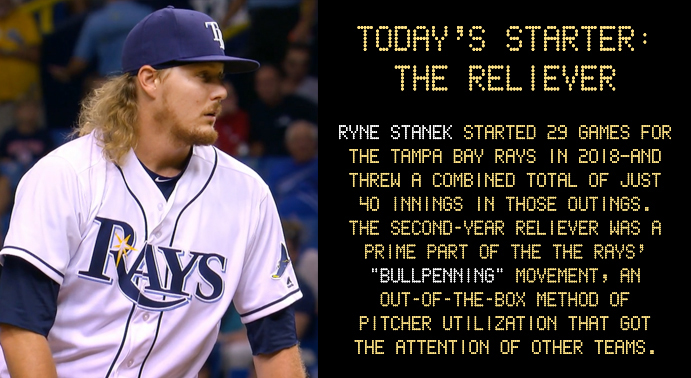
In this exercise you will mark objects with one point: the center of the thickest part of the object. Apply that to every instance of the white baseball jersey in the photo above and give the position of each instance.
(143, 281)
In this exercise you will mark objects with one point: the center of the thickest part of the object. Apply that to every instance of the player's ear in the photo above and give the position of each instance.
(148, 80)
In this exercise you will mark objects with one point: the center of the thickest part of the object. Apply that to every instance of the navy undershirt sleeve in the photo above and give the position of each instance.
(28, 297)
(273, 332)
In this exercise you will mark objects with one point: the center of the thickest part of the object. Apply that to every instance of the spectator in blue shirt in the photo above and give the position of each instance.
(102, 37)
(294, 181)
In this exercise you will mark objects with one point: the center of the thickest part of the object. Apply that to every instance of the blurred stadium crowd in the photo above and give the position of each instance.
(54, 52)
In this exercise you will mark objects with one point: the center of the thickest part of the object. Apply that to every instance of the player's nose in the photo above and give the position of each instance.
(219, 92)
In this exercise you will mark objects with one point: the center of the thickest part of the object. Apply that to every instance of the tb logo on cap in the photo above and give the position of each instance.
(218, 35)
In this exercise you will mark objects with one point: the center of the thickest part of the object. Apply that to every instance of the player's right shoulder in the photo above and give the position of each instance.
(76, 164)
(79, 154)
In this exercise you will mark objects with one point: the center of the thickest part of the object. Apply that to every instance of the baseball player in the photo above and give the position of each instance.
(127, 244)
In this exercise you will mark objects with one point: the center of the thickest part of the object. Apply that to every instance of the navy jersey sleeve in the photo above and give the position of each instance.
(273, 332)
(28, 298)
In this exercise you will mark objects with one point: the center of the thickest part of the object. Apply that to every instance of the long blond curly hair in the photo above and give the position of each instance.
(111, 111)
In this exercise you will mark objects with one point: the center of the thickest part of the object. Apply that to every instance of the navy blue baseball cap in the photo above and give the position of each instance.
(171, 37)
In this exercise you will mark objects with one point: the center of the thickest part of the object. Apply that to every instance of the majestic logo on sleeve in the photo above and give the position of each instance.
(218, 34)
(282, 263)
(158, 277)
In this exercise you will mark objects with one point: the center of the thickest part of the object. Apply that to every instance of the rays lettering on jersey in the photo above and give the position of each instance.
(165, 270)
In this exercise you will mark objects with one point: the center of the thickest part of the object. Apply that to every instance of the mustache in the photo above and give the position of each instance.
(216, 110)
